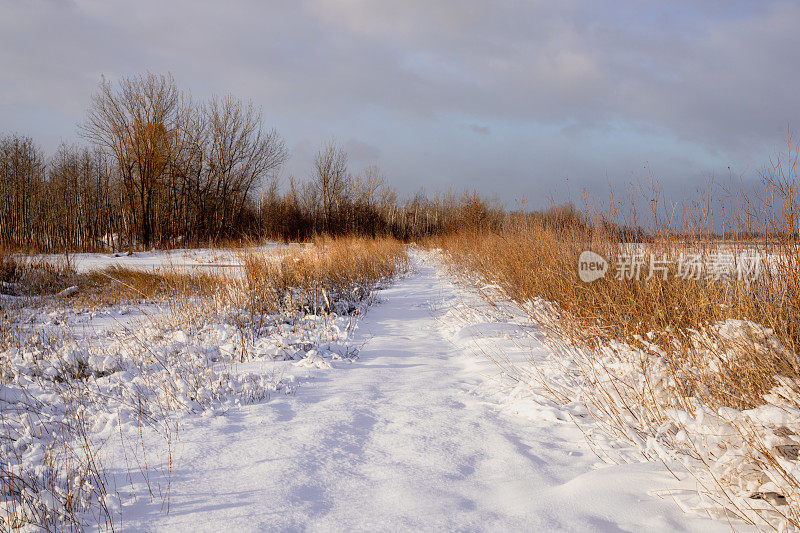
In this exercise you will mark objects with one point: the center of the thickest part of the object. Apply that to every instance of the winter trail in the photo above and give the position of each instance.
(403, 439)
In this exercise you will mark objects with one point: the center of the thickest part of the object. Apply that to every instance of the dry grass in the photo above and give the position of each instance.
(26, 276)
(337, 266)
(330, 275)
(680, 342)
(274, 293)
(531, 261)
(37, 278)
(117, 285)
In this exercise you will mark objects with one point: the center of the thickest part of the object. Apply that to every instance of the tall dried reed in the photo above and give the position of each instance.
(655, 342)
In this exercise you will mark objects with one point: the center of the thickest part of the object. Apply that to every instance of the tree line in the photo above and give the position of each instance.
(158, 169)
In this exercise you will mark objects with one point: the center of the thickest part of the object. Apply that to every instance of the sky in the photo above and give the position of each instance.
(534, 101)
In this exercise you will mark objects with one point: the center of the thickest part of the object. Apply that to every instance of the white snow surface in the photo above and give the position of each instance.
(422, 432)
(179, 258)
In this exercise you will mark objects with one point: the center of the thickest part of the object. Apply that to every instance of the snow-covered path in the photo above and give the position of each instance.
(401, 440)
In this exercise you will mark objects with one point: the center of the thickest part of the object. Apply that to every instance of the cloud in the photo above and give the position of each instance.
(360, 151)
(480, 130)
(712, 79)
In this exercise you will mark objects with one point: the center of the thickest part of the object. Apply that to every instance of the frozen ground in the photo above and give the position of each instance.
(420, 433)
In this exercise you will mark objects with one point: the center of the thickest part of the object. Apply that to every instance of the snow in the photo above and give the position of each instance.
(182, 258)
(436, 409)
(423, 431)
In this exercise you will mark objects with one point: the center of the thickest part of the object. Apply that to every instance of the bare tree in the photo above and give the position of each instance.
(165, 168)
(136, 122)
(330, 179)
(240, 156)
(22, 179)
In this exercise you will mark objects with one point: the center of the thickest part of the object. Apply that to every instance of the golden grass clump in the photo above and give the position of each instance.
(118, 284)
(319, 276)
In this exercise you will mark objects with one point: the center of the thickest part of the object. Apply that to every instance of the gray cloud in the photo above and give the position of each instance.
(360, 151)
(707, 85)
(480, 130)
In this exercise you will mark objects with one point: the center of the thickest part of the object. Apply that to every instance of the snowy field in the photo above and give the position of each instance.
(398, 419)
(180, 259)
